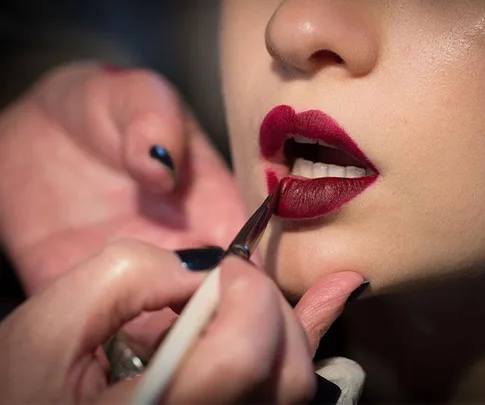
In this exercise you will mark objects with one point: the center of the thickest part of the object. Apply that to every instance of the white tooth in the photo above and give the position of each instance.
(307, 168)
(336, 171)
(302, 168)
(320, 170)
(301, 139)
(297, 167)
(353, 172)
(321, 143)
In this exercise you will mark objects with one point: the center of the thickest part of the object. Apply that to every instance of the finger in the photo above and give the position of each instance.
(238, 352)
(296, 382)
(321, 305)
(119, 115)
(340, 383)
(83, 308)
(145, 332)
(151, 118)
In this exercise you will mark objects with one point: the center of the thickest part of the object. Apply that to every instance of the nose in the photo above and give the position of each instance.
(308, 35)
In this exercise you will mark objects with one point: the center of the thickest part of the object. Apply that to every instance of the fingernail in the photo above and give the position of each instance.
(200, 259)
(328, 393)
(161, 155)
(358, 292)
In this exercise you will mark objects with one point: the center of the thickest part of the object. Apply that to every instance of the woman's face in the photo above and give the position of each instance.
(400, 86)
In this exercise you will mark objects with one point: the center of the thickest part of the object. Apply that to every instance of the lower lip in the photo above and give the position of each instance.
(301, 199)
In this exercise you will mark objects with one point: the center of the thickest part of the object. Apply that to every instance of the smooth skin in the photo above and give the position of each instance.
(76, 151)
(77, 175)
(406, 81)
(50, 346)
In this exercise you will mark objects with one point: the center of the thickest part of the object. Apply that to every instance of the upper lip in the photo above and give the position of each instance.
(283, 122)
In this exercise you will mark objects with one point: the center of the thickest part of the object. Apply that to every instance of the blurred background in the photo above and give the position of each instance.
(177, 38)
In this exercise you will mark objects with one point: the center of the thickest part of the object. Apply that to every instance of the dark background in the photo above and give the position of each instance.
(175, 37)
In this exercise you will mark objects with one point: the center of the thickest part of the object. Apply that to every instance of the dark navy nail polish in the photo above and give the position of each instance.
(328, 393)
(200, 259)
(358, 292)
(161, 155)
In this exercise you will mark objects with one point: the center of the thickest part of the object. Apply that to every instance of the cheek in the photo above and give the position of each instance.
(439, 120)
(245, 77)
(434, 140)
(245, 60)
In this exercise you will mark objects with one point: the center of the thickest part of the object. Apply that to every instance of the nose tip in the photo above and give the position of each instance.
(309, 35)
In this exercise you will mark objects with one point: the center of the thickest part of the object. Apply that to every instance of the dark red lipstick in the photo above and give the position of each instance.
(307, 198)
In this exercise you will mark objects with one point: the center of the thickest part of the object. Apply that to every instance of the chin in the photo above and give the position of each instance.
(298, 257)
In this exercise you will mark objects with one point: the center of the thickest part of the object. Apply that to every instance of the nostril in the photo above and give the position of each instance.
(326, 57)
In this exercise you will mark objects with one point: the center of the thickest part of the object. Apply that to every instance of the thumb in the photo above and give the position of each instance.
(72, 317)
(84, 307)
(322, 304)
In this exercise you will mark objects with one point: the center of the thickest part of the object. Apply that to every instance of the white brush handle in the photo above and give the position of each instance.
(186, 330)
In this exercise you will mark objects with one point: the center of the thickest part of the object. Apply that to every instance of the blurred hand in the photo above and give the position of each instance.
(254, 351)
(76, 171)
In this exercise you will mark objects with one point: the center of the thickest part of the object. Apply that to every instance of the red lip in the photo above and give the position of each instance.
(302, 198)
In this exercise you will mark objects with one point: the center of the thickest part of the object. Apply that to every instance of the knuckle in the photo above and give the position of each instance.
(124, 246)
(123, 256)
(139, 124)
